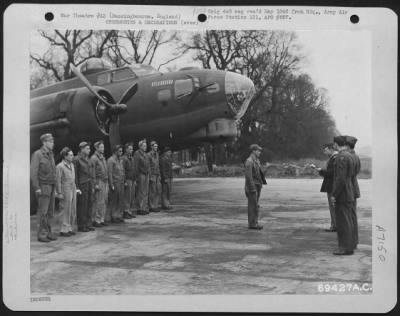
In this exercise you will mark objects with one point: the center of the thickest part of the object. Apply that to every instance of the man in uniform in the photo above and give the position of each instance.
(166, 178)
(116, 178)
(101, 185)
(43, 177)
(142, 170)
(130, 176)
(154, 179)
(343, 196)
(84, 183)
(254, 180)
(351, 143)
(327, 183)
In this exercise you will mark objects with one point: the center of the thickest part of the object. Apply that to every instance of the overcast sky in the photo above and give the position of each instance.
(339, 61)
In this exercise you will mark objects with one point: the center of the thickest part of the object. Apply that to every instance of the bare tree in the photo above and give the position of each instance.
(70, 46)
(140, 47)
(273, 60)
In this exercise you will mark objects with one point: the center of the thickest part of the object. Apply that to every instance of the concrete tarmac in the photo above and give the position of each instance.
(203, 246)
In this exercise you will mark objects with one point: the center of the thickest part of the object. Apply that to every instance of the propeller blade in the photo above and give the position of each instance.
(129, 93)
(115, 138)
(87, 84)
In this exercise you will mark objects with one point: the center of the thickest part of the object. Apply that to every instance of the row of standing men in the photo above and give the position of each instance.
(93, 192)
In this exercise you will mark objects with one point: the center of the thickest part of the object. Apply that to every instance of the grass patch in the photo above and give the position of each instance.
(280, 169)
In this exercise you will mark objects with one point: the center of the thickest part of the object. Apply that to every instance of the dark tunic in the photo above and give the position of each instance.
(357, 167)
(43, 168)
(166, 167)
(84, 179)
(327, 173)
(129, 167)
(343, 192)
(154, 163)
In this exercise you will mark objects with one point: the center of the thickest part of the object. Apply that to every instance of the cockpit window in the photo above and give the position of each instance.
(183, 88)
(103, 78)
(143, 70)
(123, 74)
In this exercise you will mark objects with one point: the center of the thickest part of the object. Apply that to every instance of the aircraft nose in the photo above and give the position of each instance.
(239, 90)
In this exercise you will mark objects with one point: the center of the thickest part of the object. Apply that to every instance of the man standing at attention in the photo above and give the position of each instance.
(116, 178)
(327, 183)
(130, 176)
(142, 170)
(254, 180)
(66, 192)
(101, 184)
(166, 178)
(154, 179)
(84, 183)
(43, 177)
(343, 196)
(351, 143)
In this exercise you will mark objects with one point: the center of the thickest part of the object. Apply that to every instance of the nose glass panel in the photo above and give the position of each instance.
(239, 90)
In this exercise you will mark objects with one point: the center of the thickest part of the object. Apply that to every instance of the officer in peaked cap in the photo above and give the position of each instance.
(339, 140)
(343, 196)
(254, 180)
(351, 143)
(327, 183)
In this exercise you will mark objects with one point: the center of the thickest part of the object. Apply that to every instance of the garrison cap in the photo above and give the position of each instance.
(153, 142)
(166, 149)
(351, 141)
(255, 147)
(98, 143)
(116, 148)
(83, 145)
(46, 137)
(128, 144)
(141, 142)
(340, 140)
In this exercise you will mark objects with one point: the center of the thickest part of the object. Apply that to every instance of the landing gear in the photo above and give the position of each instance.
(209, 151)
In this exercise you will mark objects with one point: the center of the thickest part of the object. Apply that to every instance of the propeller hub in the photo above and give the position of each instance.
(116, 109)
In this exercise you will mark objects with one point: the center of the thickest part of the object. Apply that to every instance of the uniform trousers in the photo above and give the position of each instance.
(84, 208)
(68, 209)
(117, 201)
(100, 202)
(253, 206)
(142, 192)
(46, 202)
(154, 192)
(332, 211)
(345, 225)
(166, 187)
(355, 219)
(130, 196)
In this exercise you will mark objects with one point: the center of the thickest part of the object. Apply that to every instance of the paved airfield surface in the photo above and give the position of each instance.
(203, 246)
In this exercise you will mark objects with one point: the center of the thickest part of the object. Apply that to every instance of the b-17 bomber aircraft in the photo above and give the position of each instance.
(179, 109)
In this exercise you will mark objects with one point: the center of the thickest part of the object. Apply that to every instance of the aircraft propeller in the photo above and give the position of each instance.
(113, 109)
